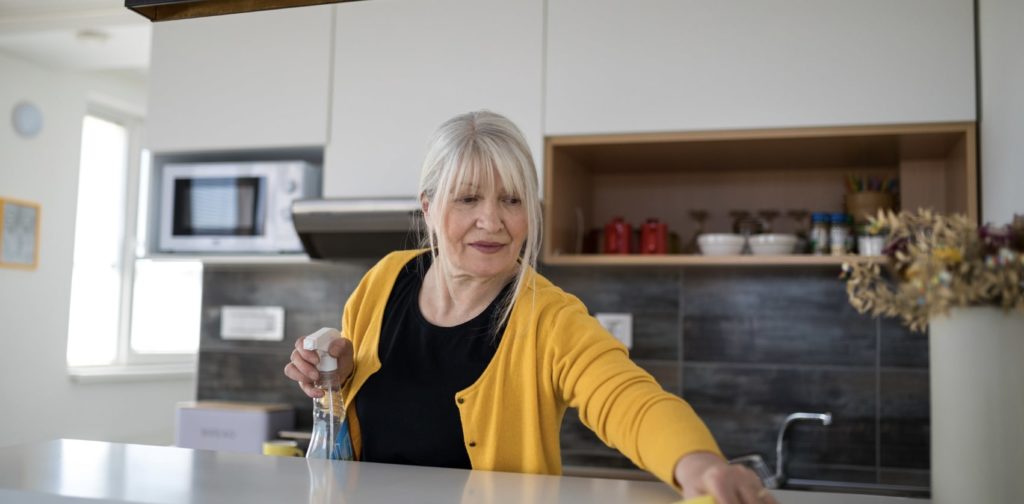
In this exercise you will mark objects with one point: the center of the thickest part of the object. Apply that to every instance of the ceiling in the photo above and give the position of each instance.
(84, 35)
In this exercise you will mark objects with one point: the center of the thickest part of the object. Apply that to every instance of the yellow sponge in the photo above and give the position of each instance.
(703, 499)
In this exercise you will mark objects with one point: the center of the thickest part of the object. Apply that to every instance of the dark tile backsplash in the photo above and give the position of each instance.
(902, 348)
(312, 296)
(779, 339)
(744, 346)
(904, 418)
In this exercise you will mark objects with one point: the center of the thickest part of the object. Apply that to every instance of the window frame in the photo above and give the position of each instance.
(129, 364)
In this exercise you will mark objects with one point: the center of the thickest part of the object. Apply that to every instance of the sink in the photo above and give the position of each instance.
(857, 488)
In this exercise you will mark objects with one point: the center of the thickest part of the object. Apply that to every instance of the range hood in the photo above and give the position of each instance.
(353, 228)
(169, 10)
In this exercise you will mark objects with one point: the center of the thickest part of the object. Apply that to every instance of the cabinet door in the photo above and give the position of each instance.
(670, 65)
(241, 81)
(401, 68)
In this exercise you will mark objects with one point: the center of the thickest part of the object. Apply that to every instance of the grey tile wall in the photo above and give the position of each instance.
(744, 346)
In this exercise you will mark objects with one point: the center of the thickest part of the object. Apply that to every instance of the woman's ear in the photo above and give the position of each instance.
(425, 206)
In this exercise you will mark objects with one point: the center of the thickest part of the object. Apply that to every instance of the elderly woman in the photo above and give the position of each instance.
(462, 355)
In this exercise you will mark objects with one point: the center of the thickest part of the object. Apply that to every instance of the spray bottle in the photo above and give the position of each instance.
(330, 439)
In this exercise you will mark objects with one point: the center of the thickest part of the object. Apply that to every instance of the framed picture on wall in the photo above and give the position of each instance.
(19, 234)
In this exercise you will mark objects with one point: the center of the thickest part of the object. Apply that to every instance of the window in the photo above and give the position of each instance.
(124, 310)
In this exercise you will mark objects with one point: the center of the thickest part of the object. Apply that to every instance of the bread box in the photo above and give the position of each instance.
(230, 426)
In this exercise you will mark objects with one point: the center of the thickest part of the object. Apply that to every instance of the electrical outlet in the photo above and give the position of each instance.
(619, 324)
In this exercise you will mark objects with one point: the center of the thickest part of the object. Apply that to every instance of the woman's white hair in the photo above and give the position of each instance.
(482, 148)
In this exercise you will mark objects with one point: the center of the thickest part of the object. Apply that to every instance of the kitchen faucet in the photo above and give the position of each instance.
(824, 418)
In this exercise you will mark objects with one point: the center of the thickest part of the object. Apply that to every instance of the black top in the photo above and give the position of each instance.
(407, 411)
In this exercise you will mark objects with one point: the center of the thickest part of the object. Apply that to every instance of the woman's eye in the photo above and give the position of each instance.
(466, 199)
(512, 200)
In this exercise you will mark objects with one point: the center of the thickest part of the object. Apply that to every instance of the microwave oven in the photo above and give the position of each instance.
(242, 207)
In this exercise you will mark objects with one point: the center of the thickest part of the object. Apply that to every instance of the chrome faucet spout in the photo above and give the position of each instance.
(780, 443)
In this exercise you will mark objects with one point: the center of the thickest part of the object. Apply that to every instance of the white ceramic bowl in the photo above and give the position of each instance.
(772, 244)
(719, 244)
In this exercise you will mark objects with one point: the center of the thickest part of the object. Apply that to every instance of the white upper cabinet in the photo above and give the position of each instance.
(401, 68)
(243, 81)
(670, 65)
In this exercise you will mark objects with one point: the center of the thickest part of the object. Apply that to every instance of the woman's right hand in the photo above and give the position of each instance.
(302, 366)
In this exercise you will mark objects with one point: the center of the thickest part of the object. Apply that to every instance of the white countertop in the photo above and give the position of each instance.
(66, 470)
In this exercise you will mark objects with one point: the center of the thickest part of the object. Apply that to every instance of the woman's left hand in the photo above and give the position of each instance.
(704, 473)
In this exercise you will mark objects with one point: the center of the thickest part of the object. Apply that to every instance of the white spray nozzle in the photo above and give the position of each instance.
(319, 341)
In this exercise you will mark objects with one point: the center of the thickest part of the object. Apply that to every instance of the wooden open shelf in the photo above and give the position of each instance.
(700, 260)
(591, 179)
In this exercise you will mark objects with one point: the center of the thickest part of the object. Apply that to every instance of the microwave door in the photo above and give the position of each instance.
(214, 212)
(219, 206)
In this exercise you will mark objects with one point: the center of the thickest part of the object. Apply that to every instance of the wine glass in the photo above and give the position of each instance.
(767, 216)
(743, 223)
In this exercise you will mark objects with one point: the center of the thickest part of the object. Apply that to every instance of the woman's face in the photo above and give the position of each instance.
(483, 229)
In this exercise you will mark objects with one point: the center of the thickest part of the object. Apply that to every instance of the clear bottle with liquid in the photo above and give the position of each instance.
(330, 438)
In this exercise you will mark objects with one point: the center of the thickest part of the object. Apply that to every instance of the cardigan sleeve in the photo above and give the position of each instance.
(618, 400)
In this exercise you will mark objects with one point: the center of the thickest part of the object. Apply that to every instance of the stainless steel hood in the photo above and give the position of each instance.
(168, 10)
(351, 228)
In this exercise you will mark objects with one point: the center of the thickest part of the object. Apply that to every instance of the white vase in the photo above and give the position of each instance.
(977, 406)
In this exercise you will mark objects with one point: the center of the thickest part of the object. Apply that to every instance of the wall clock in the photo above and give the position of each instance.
(27, 119)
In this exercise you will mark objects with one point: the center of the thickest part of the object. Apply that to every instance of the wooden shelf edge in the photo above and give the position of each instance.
(700, 261)
(761, 134)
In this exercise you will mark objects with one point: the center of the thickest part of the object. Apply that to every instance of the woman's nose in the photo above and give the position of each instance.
(489, 218)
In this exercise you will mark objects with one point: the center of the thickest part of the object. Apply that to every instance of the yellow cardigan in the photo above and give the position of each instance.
(552, 355)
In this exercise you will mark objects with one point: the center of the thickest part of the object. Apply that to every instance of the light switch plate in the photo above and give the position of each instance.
(619, 324)
(262, 323)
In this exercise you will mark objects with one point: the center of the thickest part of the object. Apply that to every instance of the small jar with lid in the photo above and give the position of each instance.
(839, 233)
(819, 233)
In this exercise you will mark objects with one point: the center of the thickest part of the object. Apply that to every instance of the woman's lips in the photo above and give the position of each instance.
(487, 247)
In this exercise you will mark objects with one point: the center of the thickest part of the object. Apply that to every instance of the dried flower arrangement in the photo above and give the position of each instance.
(938, 262)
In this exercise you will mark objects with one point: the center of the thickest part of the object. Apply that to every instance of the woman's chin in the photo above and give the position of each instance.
(490, 267)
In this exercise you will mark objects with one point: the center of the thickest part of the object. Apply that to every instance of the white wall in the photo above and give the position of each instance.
(1001, 29)
(38, 400)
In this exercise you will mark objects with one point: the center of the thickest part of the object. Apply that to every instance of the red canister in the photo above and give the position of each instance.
(654, 237)
(616, 236)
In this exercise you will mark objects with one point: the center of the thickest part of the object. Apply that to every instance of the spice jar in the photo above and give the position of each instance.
(819, 233)
(839, 234)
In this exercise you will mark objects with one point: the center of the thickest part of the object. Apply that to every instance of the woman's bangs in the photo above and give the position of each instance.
(480, 171)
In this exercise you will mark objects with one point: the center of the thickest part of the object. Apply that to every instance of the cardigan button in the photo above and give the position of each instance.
(472, 444)
(460, 400)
